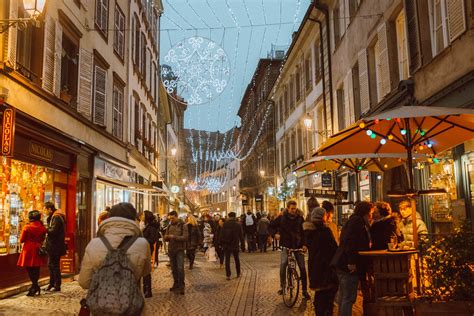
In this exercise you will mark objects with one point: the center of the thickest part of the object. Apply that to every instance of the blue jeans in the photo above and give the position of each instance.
(348, 284)
(177, 268)
(301, 265)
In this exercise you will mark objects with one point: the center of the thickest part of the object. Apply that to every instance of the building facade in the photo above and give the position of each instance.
(70, 80)
(257, 138)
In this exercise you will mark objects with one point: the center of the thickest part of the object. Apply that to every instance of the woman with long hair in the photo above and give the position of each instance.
(194, 238)
(32, 237)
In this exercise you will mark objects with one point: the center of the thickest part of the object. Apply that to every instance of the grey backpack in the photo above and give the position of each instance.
(114, 289)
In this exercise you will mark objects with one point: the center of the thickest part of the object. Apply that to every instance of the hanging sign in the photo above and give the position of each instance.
(327, 194)
(259, 198)
(326, 180)
(245, 202)
(8, 131)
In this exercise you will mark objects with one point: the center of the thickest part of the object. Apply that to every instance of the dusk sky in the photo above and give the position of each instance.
(245, 29)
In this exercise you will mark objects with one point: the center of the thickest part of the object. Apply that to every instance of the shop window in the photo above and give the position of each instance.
(29, 48)
(25, 188)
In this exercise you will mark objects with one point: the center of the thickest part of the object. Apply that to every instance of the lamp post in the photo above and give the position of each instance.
(33, 8)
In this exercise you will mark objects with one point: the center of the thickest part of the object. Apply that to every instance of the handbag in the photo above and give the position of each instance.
(84, 311)
(42, 251)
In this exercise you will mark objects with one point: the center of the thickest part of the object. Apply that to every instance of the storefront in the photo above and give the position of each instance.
(42, 168)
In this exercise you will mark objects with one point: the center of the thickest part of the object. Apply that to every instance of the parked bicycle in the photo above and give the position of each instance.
(291, 288)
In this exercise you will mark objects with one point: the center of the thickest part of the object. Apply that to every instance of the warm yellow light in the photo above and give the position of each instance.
(390, 136)
(362, 125)
(308, 121)
(173, 151)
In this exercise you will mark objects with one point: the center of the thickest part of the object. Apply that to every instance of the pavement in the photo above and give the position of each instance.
(207, 292)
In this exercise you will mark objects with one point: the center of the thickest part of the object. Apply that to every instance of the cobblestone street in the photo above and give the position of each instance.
(207, 293)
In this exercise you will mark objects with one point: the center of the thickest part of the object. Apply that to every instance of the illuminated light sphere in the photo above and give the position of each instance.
(435, 160)
(376, 121)
(385, 166)
(420, 147)
(422, 133)
(373, 136)
(398, 120)
(379, 177)
(390, 136)
(388, 118)
(403, 132)
(369, 132)
(429, 145)
(196, 69)
(430, 159)
(383, 141)
(359, 168)
(362, 125)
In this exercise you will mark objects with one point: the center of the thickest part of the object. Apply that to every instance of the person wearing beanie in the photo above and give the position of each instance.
(329, 207)
(32, 237)
(321, 248)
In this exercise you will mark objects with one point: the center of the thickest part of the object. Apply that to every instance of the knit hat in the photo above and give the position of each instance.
(317, 214)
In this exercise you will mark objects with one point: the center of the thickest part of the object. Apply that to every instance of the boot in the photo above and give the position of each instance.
(191, 265)
(147, 292)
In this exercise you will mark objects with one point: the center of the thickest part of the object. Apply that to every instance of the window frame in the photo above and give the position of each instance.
(119, 33)
(118, 109)
(104, 4)
(434, 28)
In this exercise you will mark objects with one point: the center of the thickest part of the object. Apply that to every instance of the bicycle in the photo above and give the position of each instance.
(291, 288)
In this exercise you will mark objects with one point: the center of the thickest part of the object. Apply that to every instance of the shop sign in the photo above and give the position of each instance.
(259, 198)
(327, 194)
(41, 152)
(326, 180)
(112, 171)
(8, 131)
(67, 261)
(245, 202)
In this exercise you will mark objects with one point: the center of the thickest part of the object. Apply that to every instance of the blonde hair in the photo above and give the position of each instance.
(192, 220)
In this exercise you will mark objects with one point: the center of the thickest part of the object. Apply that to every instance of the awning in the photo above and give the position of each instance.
(138, 187)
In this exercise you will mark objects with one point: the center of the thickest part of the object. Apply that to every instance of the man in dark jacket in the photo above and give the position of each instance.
(350, 266)
(55, 245)
(289, 226)
(384, 229)
(229, 238)
(321, 248)
(176, 235)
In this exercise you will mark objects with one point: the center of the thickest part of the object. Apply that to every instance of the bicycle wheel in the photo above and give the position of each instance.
(292, 287)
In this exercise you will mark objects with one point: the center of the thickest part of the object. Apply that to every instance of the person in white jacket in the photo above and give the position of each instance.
(406, 224)
(121, 223)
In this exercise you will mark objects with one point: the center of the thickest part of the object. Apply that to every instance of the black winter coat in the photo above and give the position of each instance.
(194, 237)
(56, 234)
(231, 235)
(321, 248)
(151, 232)
(383, 231)
(290, 229)
(355, 237)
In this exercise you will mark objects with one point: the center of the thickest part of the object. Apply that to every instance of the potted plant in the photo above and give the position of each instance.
(447, 276)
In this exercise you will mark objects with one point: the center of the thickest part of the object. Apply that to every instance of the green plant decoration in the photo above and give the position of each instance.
(447, 262)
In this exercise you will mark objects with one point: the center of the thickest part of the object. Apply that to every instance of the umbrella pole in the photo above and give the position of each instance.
(411, 184)
(358, 185)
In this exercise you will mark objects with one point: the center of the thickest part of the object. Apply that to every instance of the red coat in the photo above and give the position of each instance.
(32, 237)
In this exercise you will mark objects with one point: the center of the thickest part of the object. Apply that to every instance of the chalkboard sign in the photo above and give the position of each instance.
(245, 202)
(326, 194)
(326, 180)
(259, 198)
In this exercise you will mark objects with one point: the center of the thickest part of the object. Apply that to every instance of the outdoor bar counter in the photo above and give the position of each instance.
(390, 282)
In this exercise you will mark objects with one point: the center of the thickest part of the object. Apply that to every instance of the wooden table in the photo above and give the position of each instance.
(390, 283)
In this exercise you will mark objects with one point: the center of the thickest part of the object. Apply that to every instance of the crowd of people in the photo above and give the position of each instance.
(128, 241)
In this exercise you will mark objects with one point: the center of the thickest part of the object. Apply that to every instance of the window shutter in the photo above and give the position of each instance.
(12, 35)
(347, 104)
(100, 79)
(364, 82)
(350, 95)
(48, 56)
(58, 48)
(456, 18)
(412, 34)
(384, 67)
(84, 105)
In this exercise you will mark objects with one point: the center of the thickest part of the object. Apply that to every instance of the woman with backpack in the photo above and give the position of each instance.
(32, 237)
(121, 295)
(194, 239)
(149, 233)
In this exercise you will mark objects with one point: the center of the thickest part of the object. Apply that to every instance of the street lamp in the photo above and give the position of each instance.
(174, 151)
(308, 121)
(262, 173)
(32, 7)
(185, 180)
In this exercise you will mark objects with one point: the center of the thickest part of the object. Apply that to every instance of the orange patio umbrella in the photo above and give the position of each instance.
(407, 130)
